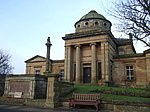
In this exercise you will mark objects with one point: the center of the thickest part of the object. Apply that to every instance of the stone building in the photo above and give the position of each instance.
(37, 65)
(94, 55)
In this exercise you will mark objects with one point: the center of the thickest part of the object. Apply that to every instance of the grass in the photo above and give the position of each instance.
(115, 93)
(111, 97)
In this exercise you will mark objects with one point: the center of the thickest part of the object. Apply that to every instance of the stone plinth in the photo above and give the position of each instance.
(52, 99)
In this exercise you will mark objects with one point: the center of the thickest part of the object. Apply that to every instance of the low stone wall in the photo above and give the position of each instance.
(118, 106)
(130, 107)
(65, 88)
(25, 86)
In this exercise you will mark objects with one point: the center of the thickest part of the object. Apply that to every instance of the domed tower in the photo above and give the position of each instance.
(87, 51)
(93, 21)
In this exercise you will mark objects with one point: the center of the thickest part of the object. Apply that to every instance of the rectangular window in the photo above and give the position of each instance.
(62, 74)
(37, 72)
(129, 72)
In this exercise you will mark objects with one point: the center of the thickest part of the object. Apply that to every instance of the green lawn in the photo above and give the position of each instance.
(115, 93)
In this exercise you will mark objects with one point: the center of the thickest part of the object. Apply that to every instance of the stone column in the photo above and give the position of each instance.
(93, 51)
(52, 98)
(48, 65)
(68, 62)
(78, 64)
(105, 61)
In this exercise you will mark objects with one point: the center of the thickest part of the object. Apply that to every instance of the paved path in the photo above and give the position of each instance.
(16, 108)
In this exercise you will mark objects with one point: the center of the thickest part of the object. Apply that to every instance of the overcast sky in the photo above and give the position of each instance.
(26, 24)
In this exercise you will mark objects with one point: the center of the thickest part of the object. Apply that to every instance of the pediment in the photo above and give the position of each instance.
(36, 58)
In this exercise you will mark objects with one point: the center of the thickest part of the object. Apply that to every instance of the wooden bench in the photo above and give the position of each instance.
(85, 99)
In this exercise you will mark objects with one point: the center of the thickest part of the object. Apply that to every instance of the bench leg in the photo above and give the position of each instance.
(70, 103)
(97, 108)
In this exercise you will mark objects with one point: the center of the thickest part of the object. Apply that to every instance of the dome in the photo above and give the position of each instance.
(92, 21)
(92, 15)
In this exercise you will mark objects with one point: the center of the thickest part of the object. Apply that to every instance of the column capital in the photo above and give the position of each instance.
(93, 43)
(77, 45)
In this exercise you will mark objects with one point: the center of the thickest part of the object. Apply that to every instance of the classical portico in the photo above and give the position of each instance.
(86, 50)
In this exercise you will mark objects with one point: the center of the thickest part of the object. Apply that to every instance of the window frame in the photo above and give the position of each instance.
(130, 72)
(37, 71)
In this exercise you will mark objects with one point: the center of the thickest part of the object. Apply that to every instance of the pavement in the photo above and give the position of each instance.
(19, 108)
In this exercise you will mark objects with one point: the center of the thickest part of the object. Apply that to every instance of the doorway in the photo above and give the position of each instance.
(87, 75)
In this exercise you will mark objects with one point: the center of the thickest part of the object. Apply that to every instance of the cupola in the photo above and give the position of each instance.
(93, 21)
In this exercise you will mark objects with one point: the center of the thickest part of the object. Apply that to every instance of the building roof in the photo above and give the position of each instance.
(84, 34)
(147, 51)
(92, 15)
(123, 41)
(34, 58)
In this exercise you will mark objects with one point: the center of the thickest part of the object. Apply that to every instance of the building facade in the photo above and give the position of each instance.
(93, 55)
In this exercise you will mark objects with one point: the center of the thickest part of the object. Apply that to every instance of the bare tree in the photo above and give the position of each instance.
(134, 18)
(5, 66)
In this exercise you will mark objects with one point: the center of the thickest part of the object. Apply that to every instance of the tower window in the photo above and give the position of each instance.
(96, 23)
(86, 23)
(78, 26)
(105, 24)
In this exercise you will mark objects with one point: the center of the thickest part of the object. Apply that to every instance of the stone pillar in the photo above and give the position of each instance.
(52, 98)
(105, 61)
(68, 62)
(78, 64)
(93, 52)
(48, 64)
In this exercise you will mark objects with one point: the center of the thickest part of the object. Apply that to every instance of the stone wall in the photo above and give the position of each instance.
(140, 75)
(25, 86)
(66, 87)
(40, 87)
(131, 107)
(118, 106)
